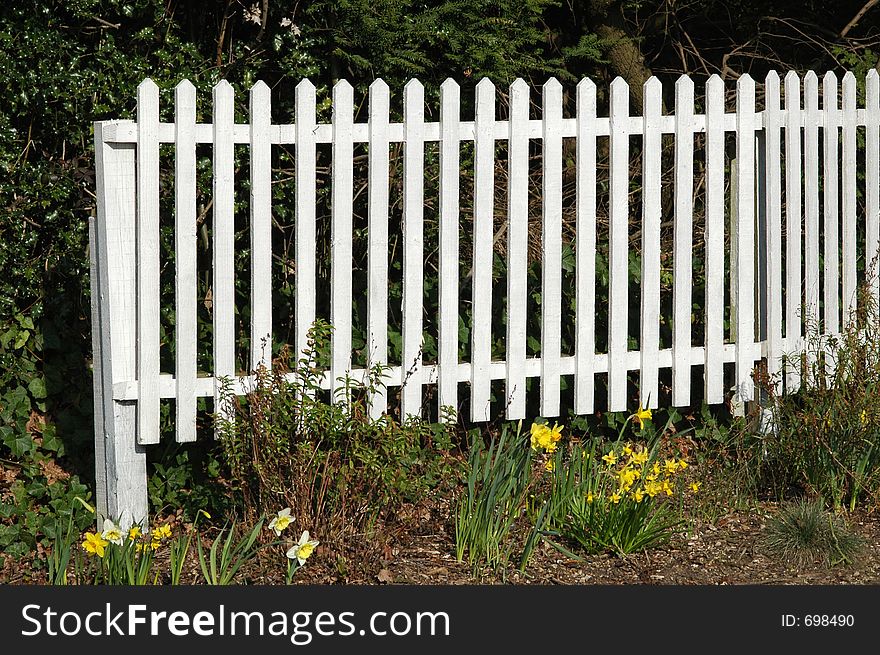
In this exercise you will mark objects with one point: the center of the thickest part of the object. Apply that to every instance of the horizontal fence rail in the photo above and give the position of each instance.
(780, 204)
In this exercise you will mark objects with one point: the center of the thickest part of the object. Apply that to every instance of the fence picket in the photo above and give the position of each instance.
(585, 246)
(872, 186)
(223, 296)
(413, 246)
(304, 105)
(517, 248)
(811, 207)
(185, 309)
(848, 197)
(340, 218)
(773, 225)
(793, 234)
(481, 279)
(551, 248)
(649, 341)
(148, 262)
(683, 241)
(714, 235)
(447, 353)
(830, 205)
(377, 246)
(261, 227)
(744, 288)
(618, 247)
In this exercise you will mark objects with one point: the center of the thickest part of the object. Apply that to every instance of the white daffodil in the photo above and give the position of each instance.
(281, 521)
(112, 532)
(301, 551)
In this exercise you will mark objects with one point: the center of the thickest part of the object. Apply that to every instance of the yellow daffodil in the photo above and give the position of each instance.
(652, 488)
(95, 544)
(162, 532)
(207, 516)
(590, 497)
(641, 416)
(549, 466)
(666, 488)
(640, 457)
(695, 486)
(682, 464)
(638, 495)
(281, 520)
(863, 417)
(627, 449)
(610, 458)
(670, 466)
(544, 437)
(134, 532)
(302, 549)
(615, 498)
(112, 532)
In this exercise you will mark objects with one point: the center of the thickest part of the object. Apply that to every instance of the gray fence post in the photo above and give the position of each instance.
(120, 463)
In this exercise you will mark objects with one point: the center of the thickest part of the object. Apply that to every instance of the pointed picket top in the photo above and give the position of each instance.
(745, 81)
(519, 87)
(811, 77)
(714, 84)
(342, 87)
(619, 85)
(260, 88)
(184, 86)
(829, 78)
(684, 84)
(223, 86)
(305, 86)
(586, 85)
(849, 82)
(652, 84)
(414, 85)
(792, 90)
(378, 86)
(147, 86)
(791, 77)
(485, 86)
(551, 85)
(771, 90)
(872, 76)
(343, 94)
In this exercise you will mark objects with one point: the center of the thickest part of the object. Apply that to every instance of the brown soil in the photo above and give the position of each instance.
(420, 550)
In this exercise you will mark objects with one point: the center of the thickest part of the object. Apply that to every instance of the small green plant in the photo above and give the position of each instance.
(616, 499)
(338, 469)
(802, 532)
(226, 556)
(498, 483)
(825, 439)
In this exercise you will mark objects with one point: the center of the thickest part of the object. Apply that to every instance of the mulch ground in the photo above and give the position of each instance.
(420, 550)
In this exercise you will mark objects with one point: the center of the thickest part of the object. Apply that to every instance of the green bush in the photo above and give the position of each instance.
(339, 471)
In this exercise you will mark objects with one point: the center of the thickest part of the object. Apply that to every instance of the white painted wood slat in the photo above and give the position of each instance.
(148, 262)
(714, 235)
(551, 249)
(744, 289)
(585, 248)
(830, 206)
(261, 227)
(848, 197)
(517, 249)
(483, 255)
(447, 352)
(186, 275)
(773, 225)
(618, 247)
(793, 231)
(811, 208)
(682, 292)
(340, 221)
(305, 231)
(224, 245)
(872, 184)
(649, 342)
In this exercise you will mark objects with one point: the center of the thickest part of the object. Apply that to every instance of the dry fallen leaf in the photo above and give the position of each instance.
(385, 576)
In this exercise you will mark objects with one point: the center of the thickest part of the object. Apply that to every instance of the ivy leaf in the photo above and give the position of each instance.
(37, 387)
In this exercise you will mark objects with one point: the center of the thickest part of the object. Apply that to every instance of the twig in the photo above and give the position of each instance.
(855, 21)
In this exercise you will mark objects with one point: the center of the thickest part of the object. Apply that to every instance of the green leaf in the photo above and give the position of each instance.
(21, 339)
(37, 387)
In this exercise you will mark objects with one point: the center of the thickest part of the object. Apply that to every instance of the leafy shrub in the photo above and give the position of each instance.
(825, 439)
(326, 459)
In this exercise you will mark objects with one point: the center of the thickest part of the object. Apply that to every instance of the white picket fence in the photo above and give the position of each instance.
(777, 150)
